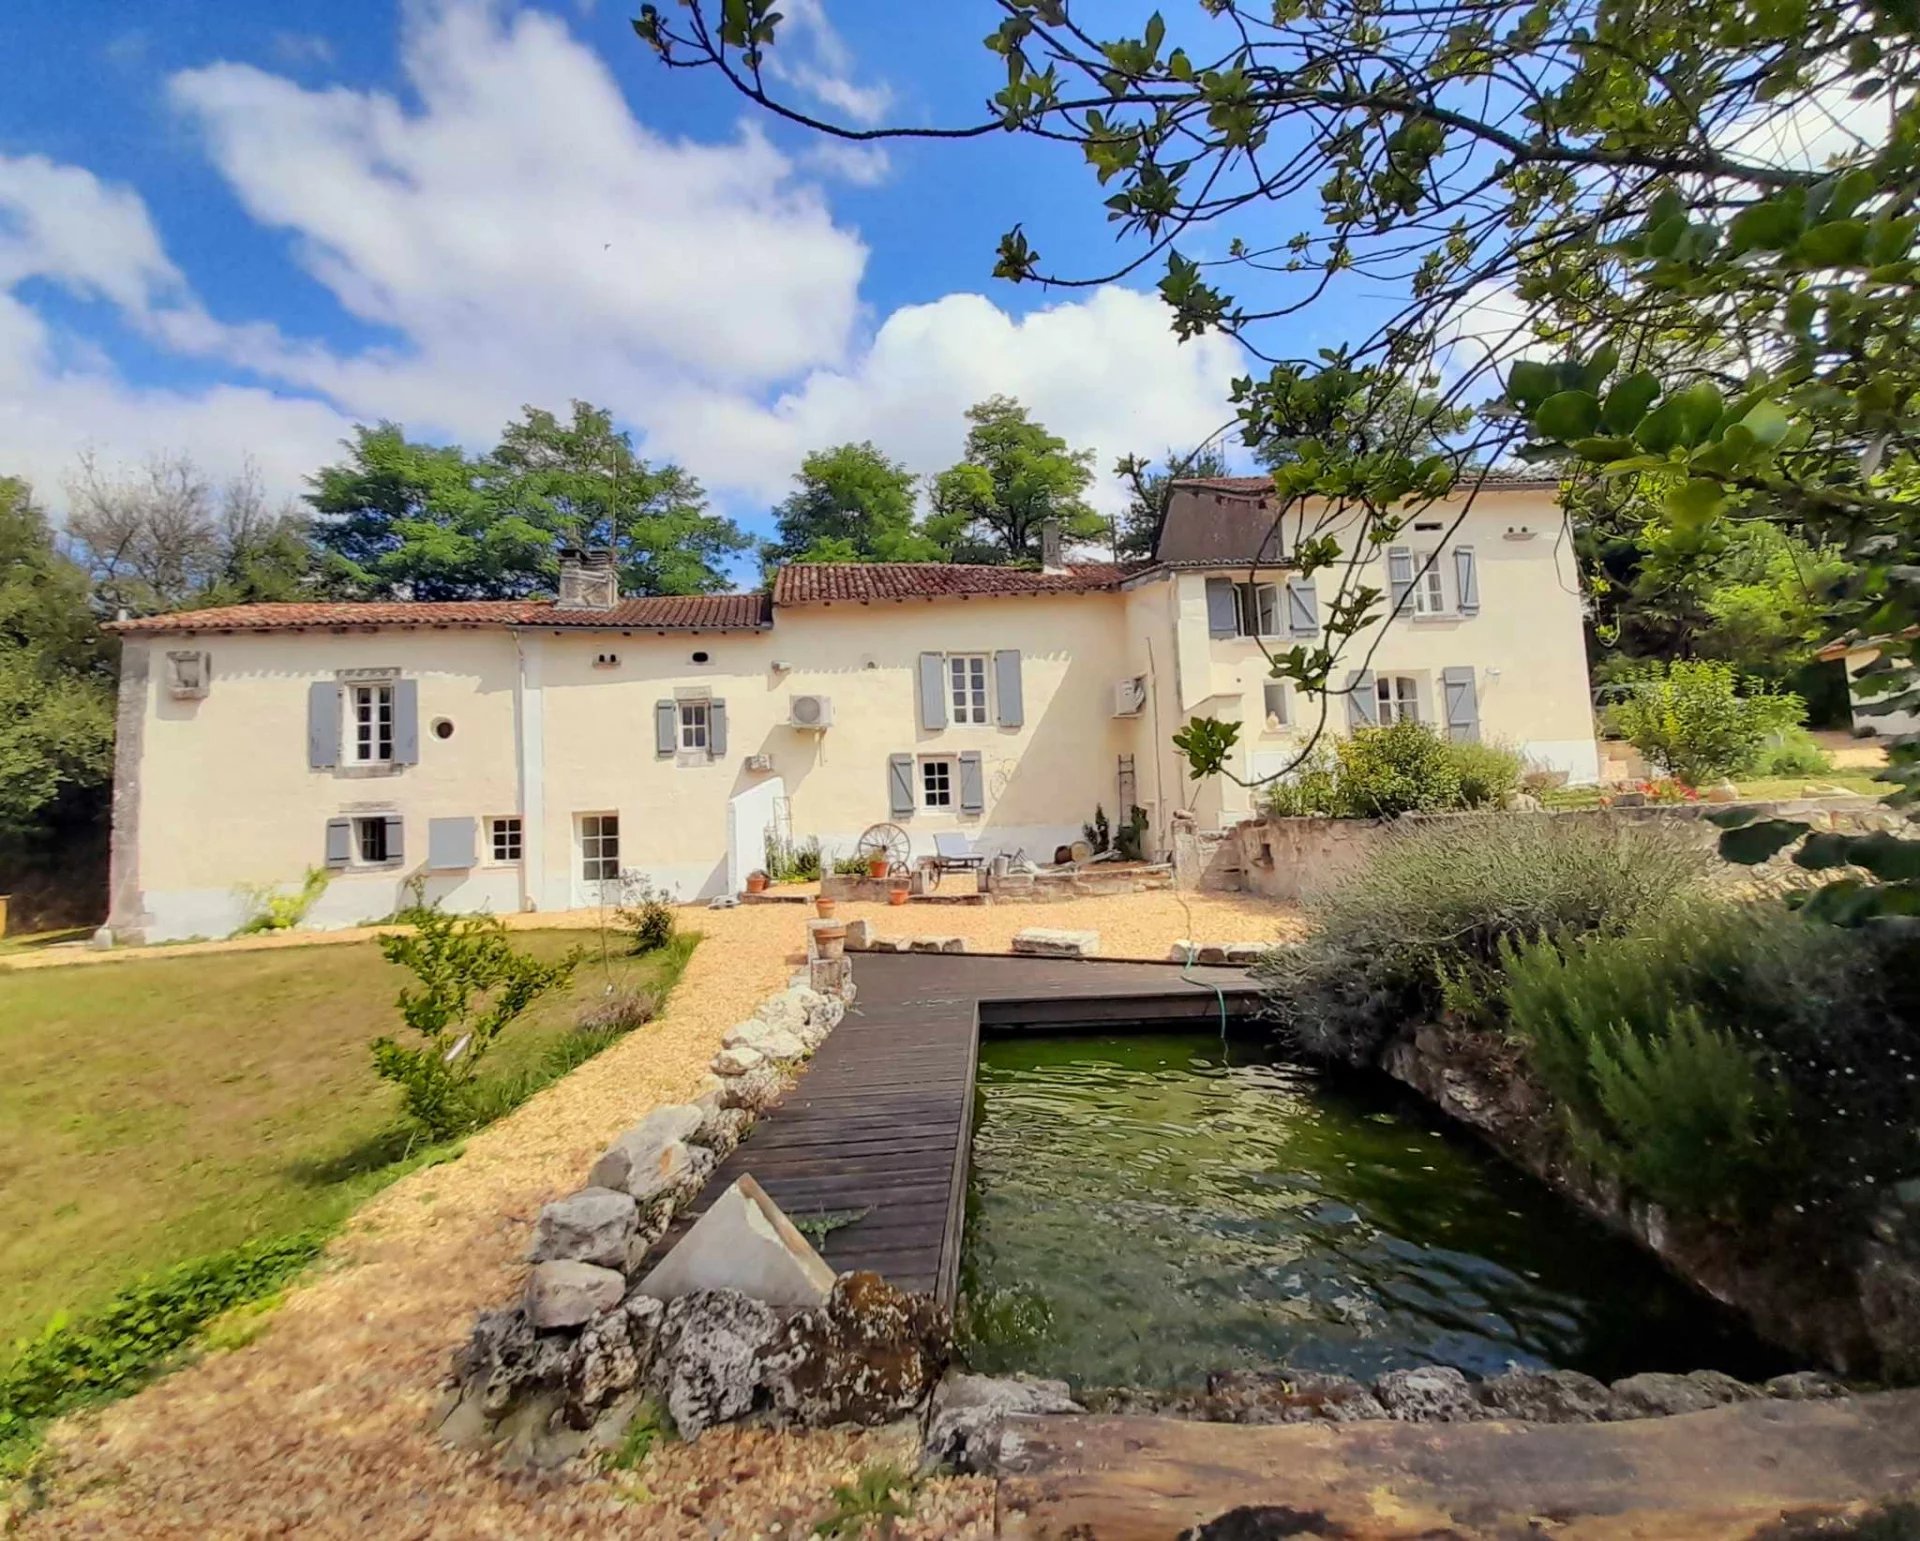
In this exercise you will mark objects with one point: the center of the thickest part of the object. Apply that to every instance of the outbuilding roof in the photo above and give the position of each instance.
(664, 612)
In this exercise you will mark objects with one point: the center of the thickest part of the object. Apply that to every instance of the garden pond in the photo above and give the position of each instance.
(1144, 1208)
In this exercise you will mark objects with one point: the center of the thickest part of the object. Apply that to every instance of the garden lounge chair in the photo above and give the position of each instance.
(953, 853)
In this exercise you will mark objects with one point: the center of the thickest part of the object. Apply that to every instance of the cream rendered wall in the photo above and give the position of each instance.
(1041, 780)
(225, 800)
(1526, 645)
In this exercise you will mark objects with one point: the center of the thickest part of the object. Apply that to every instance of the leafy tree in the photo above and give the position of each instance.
(1411, 419)
(581, 482)
(1690, 720)
(1709, 304)
(56, 686)
(850, 503)
(1014, 476)
(1150, 492)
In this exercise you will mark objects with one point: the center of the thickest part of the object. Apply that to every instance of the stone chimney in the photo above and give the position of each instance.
(588, 580)
(1050, 558)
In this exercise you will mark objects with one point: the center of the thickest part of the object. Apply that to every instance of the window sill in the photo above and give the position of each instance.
(369, 772)
(1438, 618)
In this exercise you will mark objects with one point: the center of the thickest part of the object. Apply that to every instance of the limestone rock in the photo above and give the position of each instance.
(789, 1008)
(1287, 1396)
(1722, 791)
(936, 944)
(723, 1130)
(642, 1144)
(1657, 1395)
(755, 1091)
(708, 1361)
(675, 1174)
(1547, 1396)
(610, 1357)
(738, 1060)
(767, 1039)
(1184, 951)
(564, 1294)
(1247, 953)
(1805, 1386)
(743, 1243)
(964, 1429)
(871, 1353)
(780, 1044)
(591, 1226)
(1428, 1394)
(859, 935)
(505, 1358)
(891, 944)
(1043, 942)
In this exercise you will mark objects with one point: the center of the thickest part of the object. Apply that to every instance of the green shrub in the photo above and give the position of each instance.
(646, 914)
(74, 1363)
(1792, 752)
(275, 911)
(1434, 906)
(790, 861)
(1405, 767)
(472, 987)
(1489, 774)
(852, 865)
(1689, 719)
(1826, 1018)
(1312, 787)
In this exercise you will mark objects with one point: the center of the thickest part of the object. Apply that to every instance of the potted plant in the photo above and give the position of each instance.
(898, 888)
(831, 941)
(756, 882)
(825, 906)
(877, 866)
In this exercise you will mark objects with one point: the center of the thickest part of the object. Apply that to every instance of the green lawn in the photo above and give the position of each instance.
(157, 1110)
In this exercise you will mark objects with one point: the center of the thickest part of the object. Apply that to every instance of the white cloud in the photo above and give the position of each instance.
(302, 48)
(811, 56)
(518, 236)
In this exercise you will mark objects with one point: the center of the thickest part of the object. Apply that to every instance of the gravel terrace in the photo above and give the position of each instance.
(318, 1427)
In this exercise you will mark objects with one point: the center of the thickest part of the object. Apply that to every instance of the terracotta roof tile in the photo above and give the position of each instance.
(806, 583)
(670, 612)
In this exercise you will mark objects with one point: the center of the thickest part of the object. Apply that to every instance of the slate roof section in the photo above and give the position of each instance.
(871, 582)
(665, 612)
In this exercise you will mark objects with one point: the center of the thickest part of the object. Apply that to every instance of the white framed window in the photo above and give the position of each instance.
(599, 847)
(696, 726)
(370, 722)
(370, 841)
(1397, 697)
(504, 838)
(937, 779)
(1428, 596)
(1274, 699)
(1257, 609)
(967, 687)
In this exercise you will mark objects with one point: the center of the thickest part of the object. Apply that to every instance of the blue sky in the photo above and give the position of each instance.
(235, 230)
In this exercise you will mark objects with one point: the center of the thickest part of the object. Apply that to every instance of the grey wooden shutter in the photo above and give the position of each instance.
(1303, 608)
(1400, 575)
(717, 729)
(339, 842)
(933, 691)
(1011, 706)
(323, 725)
(973, 787)
(406, 722)
(396, 838)
(1466, 573)
(1221, 618)
(1363, 707)
(666, 727)
(451, 844)
(1462, 703)
(900, 785)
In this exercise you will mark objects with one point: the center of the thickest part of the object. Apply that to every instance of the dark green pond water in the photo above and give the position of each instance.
(1146, 1208)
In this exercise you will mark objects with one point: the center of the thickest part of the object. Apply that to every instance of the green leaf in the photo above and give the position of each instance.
(1602, 451)
(1529, 384)
(1567, 415)
(1690, 504)
(1628, 401)
(1767, 422)
(1837, 244)
(1769, 226)
(1854, 188)
(1754, 843)
(1700, 406)
(1886, 856)
(1659, 430)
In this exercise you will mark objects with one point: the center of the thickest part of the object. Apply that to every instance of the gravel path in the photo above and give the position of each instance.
(318, 1427)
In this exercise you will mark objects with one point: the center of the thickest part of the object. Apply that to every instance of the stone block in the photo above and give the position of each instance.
(859, 935)
(754, 1091)
(743, 1242)
(567, 1294)
(642, 1145)
(936, 944)
(891, 944)
(1247, 953)
(963, 1431)
(678, 1169)
(591, 1226)
(1184, 951)
(738, 1060)
(1428, 1394)
(833, 978)
(1041, 942)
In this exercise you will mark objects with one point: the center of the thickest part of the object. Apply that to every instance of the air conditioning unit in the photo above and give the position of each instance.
(811, 712)
(1130, 697)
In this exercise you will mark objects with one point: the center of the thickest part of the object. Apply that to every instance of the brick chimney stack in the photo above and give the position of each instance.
(1051, 560)
(588, 579)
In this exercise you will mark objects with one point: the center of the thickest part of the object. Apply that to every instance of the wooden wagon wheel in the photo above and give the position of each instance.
(888, 840)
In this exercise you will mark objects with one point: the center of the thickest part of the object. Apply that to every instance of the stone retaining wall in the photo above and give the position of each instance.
(1294, 859)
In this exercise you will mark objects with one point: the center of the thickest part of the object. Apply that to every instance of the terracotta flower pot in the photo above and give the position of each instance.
(877, 868)
(897, 893)
(825, 906)
(756, 882)
(831, 941)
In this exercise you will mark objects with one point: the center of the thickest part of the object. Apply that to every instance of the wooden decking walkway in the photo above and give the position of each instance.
(881, 1120)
